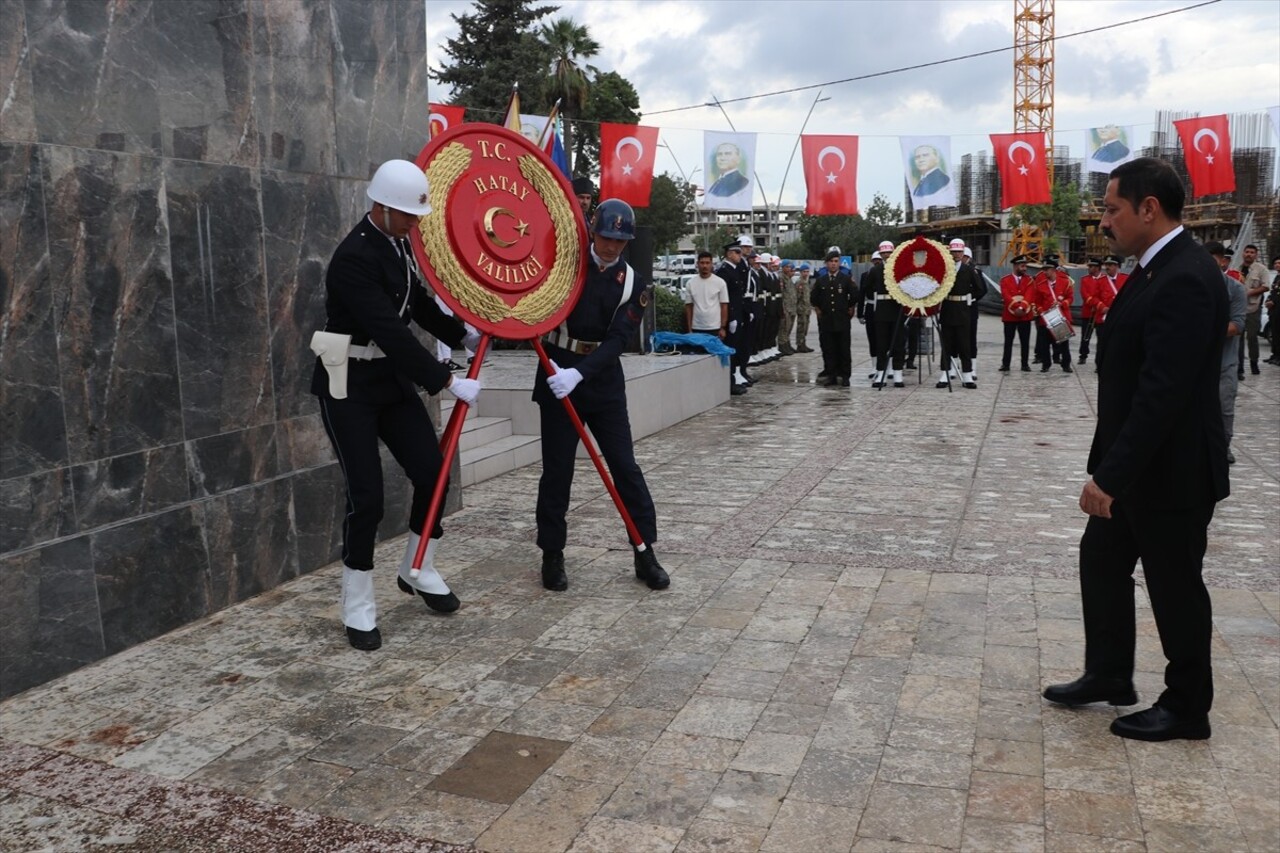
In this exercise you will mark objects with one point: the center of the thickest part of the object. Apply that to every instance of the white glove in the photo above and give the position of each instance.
(733, 327)
(470, 341)
(563, 382)
(466, 390)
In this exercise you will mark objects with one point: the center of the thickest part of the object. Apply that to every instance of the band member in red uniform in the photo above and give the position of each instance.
(1089, 295)
(1108, 287)
(1015, 290)
(1053, 287)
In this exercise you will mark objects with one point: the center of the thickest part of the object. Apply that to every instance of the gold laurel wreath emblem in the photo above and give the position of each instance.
(534, 307)
(907, 300)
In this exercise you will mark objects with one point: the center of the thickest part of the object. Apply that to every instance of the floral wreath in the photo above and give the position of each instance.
(919, 275)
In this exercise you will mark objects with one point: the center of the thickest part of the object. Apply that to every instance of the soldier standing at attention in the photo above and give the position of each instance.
(834, 297)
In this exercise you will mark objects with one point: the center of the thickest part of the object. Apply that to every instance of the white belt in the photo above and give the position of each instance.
(967, 299)
(884, 297)
(571, 344)
(366, 353)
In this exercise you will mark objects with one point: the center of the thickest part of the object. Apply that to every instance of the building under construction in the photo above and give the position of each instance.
(1251, 214)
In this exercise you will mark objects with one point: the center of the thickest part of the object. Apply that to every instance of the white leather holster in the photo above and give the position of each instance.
(333, 348)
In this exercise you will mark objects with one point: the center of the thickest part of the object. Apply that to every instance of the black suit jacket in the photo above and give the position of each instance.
(1160, 442)
(366, 285)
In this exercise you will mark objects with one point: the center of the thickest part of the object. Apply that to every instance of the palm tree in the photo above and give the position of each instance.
(570, 43)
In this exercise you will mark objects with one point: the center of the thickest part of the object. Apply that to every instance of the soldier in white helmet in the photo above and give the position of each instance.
(367, 375)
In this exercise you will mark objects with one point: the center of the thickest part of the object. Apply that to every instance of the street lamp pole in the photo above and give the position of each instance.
(688, 182)
(817, 100)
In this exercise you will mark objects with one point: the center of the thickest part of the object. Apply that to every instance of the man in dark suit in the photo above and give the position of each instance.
(1159, 461)
(928, 163)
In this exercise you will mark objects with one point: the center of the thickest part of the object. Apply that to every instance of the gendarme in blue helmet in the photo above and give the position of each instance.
(614, 219)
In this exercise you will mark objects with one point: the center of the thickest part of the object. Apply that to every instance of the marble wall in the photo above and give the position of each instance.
(173, 179)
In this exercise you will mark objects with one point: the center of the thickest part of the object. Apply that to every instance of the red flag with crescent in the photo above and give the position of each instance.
(627, 152)
(443, 117)
(1206, 143)
(1024, 173)
(830, 174)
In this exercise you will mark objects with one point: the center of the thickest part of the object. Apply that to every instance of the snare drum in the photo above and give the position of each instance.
(1057, 324)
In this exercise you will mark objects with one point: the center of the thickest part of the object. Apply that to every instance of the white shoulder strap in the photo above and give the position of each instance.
(627, 286)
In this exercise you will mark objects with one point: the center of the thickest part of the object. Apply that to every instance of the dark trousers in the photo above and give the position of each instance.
(891, 337)
(1023, 330)
(912, 331)
(955, 344)
(1049, 351)
(1171, 545)
(1086, 332)
(973, 331)
(869, 315)
(737, 340)
(612, 431)
(354, 428)
(837, 350)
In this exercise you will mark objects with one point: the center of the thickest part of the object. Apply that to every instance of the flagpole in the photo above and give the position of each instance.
(759, 182)
(796, 148)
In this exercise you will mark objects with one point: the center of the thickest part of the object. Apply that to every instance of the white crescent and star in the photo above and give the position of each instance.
(437, 118)
(627, 168)
(831, 149)
(1195, 142)
(1022, 167)
(494, 212)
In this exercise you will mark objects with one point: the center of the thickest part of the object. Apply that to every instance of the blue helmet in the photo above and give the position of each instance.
(803, 267)
(614, 219)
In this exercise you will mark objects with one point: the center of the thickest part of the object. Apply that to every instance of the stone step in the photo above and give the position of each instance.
(498, 457)
(478, 431)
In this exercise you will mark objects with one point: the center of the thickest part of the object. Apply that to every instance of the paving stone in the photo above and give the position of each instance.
(717, 716)
(811, 826)
(925, 767)
(548, 816)
(607, 835)
(718, 836)
(747, 797)
(500, 767)
(661, 794)
(914, 814)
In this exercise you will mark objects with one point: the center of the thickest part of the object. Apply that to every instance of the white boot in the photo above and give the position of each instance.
(878, 381)
(942, 380)
(738, 378)
(897, 380)
(434, 591)
(359, 611)
(970, 381)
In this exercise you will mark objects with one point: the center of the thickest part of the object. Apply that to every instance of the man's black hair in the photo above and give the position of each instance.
(1149, 177)
(705, 254)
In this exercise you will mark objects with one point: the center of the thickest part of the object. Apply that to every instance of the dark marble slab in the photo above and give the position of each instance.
(251, 542)
(223, 462)
(49, 623)
(377, 117)
(152, 576)
(302, 227)
(35, 508)
(202, 55)
(109, 251)
(219, 296)
(318, 510)
(93, 73)
(120, 487)
(293, 105)
(17, 118)
(302, 443)
(32, 429)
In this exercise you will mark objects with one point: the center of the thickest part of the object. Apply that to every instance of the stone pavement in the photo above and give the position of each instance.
(869, 590)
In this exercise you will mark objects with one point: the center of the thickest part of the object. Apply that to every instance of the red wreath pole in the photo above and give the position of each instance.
(632, 531)
(448, 449)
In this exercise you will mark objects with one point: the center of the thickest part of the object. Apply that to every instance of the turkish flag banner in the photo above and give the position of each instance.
(830, 174)
(443, 117)
(627, 152)
(1024, 175)
(1206, 143)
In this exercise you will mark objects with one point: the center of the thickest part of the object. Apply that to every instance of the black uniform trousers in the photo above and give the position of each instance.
(955, 344)
(611, 428)
(1023, 330)
(891, 336)
(973, 330)
(1171, 545)
(837, 350)
(1061, 352)
(1086, 332)
(869, 314)
(354, 428)
(912, 331)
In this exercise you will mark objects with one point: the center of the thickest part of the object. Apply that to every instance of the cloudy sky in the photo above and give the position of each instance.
(1223, 57)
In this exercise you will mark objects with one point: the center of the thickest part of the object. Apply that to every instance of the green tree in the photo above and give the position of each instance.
(569, 44)
(495, 47)
(669, 201)
(716, 239)
(856, 234)
(794, 249)
(1059, 221)
(612, 98)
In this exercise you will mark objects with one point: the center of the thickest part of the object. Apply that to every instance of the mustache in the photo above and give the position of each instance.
(1108, 233)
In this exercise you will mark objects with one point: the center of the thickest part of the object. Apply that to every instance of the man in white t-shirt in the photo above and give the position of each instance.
(706, 301)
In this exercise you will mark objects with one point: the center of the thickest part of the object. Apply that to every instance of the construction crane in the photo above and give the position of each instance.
(1032, 100)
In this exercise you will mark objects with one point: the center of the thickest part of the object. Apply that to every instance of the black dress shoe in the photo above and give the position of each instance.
(737, 390)
(365, 641)
(910, 365)
(1083, 359)
(844, 381)
(1066, 368)
(824, 374)
(446, 603)
(553, 576)
(941, 384)
(1026, 368)
(831, 382)
(1044, 367)
(1004, 368)
(650, 571)
(1091, 688)
(1158, 723)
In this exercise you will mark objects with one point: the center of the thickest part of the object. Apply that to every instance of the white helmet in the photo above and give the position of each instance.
(885, 247)
(400, 185)
(957, 245)
(835, 249)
